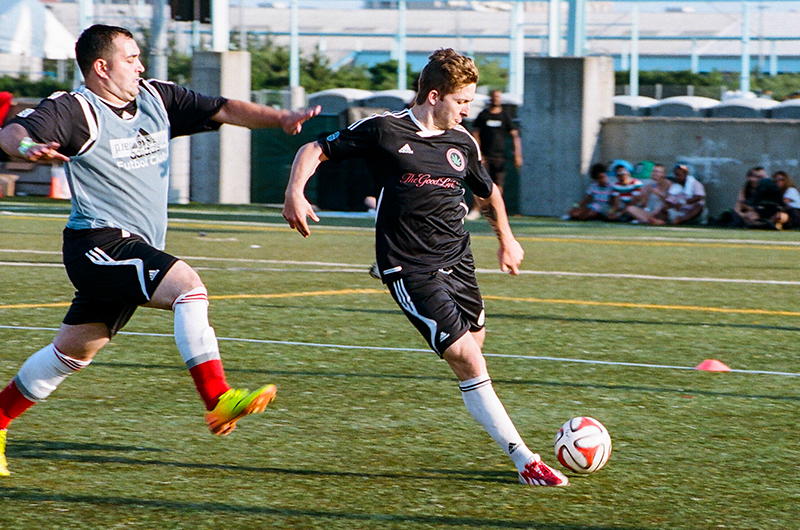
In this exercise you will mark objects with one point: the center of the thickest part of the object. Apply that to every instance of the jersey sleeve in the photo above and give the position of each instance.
(510, 126)
(477, 178)
(357, 141)
(189, 112)
(59, 118)
(479, 122)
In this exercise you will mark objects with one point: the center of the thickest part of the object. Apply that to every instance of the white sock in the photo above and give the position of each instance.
(41, 374)
(484, 405)
(195, 338)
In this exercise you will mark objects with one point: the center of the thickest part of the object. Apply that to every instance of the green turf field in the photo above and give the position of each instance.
(369, 430)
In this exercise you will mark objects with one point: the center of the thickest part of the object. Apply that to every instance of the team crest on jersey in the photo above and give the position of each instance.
(456, 159)
(333, 136)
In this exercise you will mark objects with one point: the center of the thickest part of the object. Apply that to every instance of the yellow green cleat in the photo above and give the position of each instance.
(4, 472)
(237, 403)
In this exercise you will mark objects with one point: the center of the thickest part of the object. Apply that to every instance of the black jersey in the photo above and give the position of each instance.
(493, 129)
(61, 118)
(421, 173)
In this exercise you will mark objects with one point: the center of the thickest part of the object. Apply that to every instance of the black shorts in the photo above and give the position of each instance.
(496, 167)
(114, 272)
(443, 305)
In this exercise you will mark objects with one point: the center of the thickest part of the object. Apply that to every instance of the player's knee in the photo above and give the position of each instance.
(465, 358)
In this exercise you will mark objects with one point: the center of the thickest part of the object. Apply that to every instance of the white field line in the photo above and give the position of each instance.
(357, 268)
(282, 224)
(420, 350)
(593, 237)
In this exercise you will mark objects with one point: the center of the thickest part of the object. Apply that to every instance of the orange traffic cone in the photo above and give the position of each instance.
(712, 365)
(59, 188)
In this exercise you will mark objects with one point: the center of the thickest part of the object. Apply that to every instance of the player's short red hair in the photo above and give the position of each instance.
(446, 72)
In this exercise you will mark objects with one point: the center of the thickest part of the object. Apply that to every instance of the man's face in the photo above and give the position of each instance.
(681, 172)
(452, 109)
(123, 69)
(495, 98)
(622, 174)
(657, 174)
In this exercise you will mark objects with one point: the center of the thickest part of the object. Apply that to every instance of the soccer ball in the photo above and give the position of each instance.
(583, 445)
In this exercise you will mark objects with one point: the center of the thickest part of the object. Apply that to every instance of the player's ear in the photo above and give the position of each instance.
(100, 68)
(433, 97)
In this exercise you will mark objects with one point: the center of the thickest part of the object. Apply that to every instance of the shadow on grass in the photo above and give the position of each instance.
(627, 321)
(22, 449)
(544, 318)
(138, 503)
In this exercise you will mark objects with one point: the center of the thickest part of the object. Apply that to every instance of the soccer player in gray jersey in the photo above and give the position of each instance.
(113, 134)
(422, 157)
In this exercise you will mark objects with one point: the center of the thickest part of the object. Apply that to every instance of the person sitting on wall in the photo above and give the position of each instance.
(685, 200)
(626, 191)
(597, 201)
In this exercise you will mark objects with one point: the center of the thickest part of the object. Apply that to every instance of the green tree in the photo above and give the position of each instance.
(352, 76)
(780, 86)
(23, 87)
(492, 75)
(383, 76)
(316, 73)
(269, 66)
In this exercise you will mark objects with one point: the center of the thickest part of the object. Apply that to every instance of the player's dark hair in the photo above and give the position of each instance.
(596, 170)
(446, 72)
(97, 42)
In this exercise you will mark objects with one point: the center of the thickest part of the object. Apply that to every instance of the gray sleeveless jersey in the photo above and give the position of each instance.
(121, 179)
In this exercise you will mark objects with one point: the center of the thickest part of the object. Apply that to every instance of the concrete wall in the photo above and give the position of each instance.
(565, 101)
(220, 160)
(718, 151)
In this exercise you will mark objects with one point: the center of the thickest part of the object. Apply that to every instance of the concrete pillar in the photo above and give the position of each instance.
(402, 81)
(220, 160)
(566, 99)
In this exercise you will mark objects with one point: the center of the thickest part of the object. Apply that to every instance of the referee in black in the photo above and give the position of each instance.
(422, 157)
(492, 127)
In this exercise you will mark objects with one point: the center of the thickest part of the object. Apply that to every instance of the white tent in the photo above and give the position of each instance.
(28, 28)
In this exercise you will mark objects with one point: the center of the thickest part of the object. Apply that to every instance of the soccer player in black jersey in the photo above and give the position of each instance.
(422, 157)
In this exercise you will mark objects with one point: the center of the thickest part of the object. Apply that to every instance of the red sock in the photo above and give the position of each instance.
(12, 404)
(209, 378)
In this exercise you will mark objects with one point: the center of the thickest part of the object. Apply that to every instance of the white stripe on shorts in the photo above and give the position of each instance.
(400, 292)
(99, 257)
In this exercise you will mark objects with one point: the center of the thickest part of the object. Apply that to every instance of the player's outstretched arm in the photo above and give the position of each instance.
(255, 116)
(14, 140)
(297, 209)
(510, 253)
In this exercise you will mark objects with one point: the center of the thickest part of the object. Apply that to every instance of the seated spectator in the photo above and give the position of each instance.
(744, 212)
(597, 201)
(653, 195)
(626, 191)
(685, 200)
(790, 216)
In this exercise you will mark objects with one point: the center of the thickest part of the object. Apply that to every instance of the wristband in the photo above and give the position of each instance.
(24, 145)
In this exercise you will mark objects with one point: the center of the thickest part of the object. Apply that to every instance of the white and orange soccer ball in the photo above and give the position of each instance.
(583, 445)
